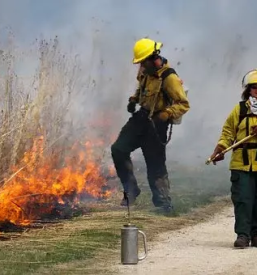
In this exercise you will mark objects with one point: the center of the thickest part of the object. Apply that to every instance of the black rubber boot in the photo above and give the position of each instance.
(254, 241)
(130, 197)
(241, 242)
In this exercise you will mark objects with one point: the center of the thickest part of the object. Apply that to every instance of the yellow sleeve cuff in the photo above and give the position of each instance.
(223, 143)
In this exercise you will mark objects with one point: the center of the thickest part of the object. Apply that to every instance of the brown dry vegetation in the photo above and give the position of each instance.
(37, 104)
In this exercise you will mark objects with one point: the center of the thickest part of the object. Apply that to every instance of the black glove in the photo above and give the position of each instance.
(254, 130)
(131, 107)
(218, 149)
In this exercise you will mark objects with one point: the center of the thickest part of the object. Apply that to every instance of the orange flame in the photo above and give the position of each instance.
(36, 187)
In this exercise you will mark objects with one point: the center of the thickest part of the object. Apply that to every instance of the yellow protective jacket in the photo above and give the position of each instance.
(171, 85)
(234, 131)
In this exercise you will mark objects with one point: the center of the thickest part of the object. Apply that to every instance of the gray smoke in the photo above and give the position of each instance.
(211, 44)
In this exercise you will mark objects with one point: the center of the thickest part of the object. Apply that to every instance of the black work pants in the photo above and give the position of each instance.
(139, 132)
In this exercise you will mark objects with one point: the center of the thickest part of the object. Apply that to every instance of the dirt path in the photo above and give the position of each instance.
(205, 248)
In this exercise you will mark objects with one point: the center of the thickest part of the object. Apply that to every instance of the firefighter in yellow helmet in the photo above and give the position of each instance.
(162, 99)
(241, 122)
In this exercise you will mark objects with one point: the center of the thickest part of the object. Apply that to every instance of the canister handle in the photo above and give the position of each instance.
(145, 246)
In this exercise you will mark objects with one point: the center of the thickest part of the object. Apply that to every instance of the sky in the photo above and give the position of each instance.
(214, 42)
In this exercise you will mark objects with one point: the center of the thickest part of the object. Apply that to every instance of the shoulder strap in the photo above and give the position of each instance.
(165, 74)
(242, 115)
(243, 111)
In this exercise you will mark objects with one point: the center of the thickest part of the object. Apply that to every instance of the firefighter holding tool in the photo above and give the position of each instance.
(240, 134)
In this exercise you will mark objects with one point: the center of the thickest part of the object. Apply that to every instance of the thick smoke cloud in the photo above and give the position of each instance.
(210, 43)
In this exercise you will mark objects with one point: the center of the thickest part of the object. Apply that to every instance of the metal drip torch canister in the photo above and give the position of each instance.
(129, 241)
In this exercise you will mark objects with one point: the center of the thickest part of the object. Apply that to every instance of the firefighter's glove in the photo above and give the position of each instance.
(254, 130)
(131, 107)
(164, 116)
(218, 149)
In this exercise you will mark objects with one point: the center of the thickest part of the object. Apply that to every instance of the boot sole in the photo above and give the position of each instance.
(241, 247)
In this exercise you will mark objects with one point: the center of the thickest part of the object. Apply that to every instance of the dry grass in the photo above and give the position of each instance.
(109, 254)
(88, 244)
(36, 104)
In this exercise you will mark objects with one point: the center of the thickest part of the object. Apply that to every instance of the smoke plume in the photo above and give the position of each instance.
(211, 44)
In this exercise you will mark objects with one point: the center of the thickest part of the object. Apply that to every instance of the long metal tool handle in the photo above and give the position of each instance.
(127, 199)
(209, 160)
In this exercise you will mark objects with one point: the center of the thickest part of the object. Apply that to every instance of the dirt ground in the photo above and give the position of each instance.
(205, 248)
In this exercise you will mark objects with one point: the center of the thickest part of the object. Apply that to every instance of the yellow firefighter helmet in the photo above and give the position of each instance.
(144, 48)
(249, 78)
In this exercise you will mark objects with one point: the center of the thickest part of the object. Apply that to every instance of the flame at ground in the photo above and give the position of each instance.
(41, 182)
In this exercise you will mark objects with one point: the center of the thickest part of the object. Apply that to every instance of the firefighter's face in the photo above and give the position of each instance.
(253, 90)
(151, 65)
(147, 63)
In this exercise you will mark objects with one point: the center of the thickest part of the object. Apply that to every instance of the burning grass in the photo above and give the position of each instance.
(47, 164)
(41, 189)
(89, 243)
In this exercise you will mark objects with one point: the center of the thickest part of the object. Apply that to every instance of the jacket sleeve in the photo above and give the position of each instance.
(135, 96)
(174, 89)
(229, 130)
